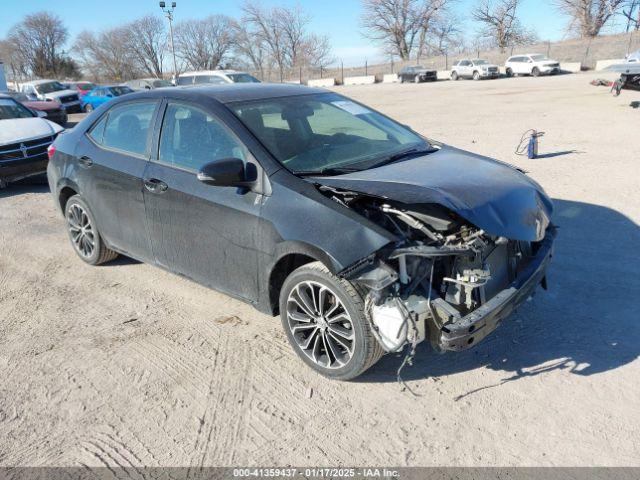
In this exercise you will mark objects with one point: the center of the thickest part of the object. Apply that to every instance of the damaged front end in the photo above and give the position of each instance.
(445, 279)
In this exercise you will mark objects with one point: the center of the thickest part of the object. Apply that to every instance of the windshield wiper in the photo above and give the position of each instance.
(405, 154)
(326, 171)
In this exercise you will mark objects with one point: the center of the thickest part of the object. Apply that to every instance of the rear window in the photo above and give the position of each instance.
(210, 79)
(243, 78)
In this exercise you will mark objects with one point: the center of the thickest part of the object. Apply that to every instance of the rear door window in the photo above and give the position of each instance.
(185, 80)
(127, 127)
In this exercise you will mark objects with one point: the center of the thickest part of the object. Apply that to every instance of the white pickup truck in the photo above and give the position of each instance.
(49, 90)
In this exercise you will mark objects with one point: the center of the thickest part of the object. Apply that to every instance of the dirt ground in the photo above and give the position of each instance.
(126, 364)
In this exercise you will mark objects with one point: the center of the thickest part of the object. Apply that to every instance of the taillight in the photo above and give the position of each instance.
(51, 151)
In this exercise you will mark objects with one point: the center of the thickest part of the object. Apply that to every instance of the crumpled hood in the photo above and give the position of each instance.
(24, 129)
(489, 194)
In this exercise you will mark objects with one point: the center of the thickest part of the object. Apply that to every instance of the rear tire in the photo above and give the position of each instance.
(83, 233)
(326, 324)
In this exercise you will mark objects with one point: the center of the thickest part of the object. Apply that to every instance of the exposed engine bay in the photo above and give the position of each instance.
(432, 281)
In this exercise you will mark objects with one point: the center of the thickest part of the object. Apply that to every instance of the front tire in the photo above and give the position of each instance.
(326, 324)
(535, 72)
(88, 108)
(476, 76)
(416, 79)
(509, 72)
(83, 233)
(454, 76)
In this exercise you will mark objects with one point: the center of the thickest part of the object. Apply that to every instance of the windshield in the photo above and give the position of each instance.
(162, 83)
(312, 133)
(9, 109)
(242, 78)
(50, 87)
(212, 79)
(85, 86)
(539, 58)
(120, 90)
(20, 97)
(480, 62)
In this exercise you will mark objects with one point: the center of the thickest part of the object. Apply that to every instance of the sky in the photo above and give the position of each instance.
(338, 19)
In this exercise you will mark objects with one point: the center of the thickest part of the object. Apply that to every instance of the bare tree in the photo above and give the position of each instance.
(446, 36)
(267, 27)
(41, 38)
(203, 44)
(588, 17)
(283, 32)
(106, 55)
(501, 23)
(249, 49)
(147, 39)
(14, 58)
(631, 11)
(400, 25)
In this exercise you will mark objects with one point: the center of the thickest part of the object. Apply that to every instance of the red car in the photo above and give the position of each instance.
(54, 110)
(82, 87)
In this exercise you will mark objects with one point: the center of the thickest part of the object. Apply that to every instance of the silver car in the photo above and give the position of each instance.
(475, 69)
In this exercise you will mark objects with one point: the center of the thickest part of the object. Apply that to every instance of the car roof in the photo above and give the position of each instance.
(39, 82)
(228, 93)
(211, 72)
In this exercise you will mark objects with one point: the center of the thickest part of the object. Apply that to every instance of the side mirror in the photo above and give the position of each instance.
(110, 95)
(39, 113)
(226, 172)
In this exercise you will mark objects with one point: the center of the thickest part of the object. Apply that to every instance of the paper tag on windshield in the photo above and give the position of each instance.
(351, 107)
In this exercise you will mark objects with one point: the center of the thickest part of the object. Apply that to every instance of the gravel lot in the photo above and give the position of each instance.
(126, 364)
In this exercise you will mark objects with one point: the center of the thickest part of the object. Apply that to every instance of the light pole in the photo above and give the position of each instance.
(168, 12)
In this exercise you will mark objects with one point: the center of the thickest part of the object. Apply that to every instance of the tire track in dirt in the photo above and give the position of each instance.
(218, 435)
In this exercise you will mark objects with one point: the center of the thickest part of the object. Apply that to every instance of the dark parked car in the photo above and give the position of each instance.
(53, 110)
(417, 74)
(363, 235)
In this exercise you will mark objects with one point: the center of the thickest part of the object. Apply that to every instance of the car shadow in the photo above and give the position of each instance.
(557, 154)
(586, 323)
(28, 185)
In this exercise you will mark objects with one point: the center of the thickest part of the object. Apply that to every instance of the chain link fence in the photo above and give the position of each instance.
(582, 50)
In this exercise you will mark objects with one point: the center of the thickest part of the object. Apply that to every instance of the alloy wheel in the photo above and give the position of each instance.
(320, 324)
(81, 230)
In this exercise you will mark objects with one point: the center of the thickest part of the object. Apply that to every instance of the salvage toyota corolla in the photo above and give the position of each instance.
(363, 235)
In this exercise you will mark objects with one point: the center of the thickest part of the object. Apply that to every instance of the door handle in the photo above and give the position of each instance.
(155, 186)
(85, 161)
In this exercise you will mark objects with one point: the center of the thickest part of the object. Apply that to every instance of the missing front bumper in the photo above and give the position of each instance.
(456, 332)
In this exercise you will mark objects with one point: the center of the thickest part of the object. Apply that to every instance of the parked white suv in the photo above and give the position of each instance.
(215, 77)
(50, 90)
(531, 64)
(475, 69)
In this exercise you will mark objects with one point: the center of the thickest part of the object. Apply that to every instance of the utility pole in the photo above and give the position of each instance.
(168, 12)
